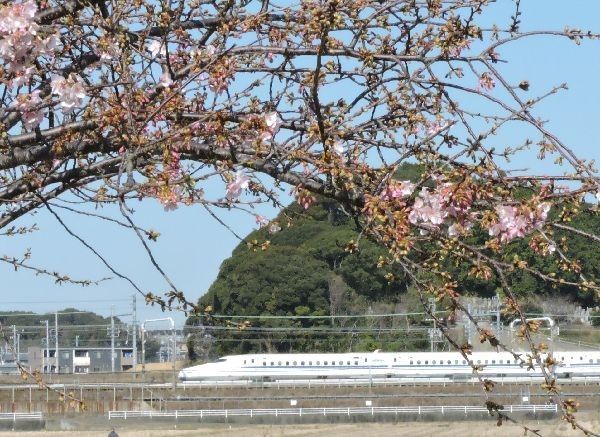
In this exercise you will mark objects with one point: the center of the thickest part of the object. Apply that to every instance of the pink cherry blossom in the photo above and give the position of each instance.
(26, 104)
(165, 80)
(513, 223)
(398, 189)
(157, 49)
(18, 17)
(261, 221)
(435, 127)
(23, 77)
(272, 122)
(428, 208)
(486, 82)
(234, 188)
(70, 92)
(338, 147)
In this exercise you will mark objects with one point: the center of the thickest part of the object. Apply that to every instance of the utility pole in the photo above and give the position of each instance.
(497, 314)
(16, 354)
(47, 348)
(134, 334)
(112, 339)
(56, 342)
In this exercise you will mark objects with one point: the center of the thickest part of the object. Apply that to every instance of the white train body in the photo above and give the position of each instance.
(273, 367)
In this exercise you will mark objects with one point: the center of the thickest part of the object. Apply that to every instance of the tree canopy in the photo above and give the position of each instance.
(113, 102)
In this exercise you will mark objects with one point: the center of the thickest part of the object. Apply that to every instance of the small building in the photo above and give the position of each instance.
(80, 359)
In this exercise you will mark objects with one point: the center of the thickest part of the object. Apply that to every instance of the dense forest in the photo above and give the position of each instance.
(307, 270)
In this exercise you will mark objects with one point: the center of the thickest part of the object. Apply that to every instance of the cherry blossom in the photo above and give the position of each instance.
(157, 49)
(428, 208)
(435, 127)
(261, 221)
(19, 17)
(71, 92)
(272, 122)
(486, 82)
(514, 223)
(26, 104)
(338, 147)
(234, 188)
(165, 80)
(398, 189)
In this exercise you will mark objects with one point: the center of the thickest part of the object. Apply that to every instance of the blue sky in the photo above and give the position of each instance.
(193, 245)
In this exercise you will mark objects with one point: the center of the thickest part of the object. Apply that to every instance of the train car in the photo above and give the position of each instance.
(451, 365)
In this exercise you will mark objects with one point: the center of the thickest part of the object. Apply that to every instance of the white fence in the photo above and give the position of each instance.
(21, 416)
(349, 411)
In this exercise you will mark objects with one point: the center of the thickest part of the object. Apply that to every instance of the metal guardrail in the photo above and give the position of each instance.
(21, 416)
(349, 411)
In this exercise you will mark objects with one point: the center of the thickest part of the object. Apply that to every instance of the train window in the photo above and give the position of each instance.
(347, 363)
(287, 363)
(486, 361)
(456, 362)
(244, 361)
(449, 362)
(264, 364)
(478, 361)
(365, 360)
(318, 363)
(394, 360)
(279, 363)
(252, 360)
(501, 361)
(418, 361)
(310, 363)
(591, 361)
(341, 363)
(356, 363)
(464, 362)
(411, 362)
(433, 362)
(580, 358)
(272, 363)
(295, 363)
(598, 360)
(426, 361)
(493, 361)
(325, 362)
(302, 363)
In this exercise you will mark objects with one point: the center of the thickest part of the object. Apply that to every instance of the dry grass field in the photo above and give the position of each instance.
(437, 429)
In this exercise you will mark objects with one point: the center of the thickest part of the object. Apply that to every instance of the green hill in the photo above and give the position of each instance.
(307, 271)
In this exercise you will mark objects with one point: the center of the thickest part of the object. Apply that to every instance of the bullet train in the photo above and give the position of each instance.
(451, 365)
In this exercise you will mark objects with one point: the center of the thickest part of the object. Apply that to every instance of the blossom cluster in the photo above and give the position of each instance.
(272, 123)
(29, 107)
(397, 189)
(70, 91)
(20, 40)
(514, 222)
(235, 187)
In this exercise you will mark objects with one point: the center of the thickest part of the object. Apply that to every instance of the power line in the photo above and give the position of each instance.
(342, 316)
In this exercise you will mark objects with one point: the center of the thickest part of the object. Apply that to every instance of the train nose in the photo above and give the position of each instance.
(182, 376)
